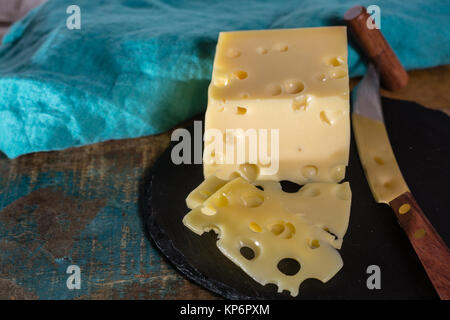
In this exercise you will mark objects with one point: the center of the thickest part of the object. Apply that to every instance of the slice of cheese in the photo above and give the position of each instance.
(291, 80)
(325, 205)
(275, 227)
(199, 195)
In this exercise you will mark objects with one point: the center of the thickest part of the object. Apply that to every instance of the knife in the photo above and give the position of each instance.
(387, 183)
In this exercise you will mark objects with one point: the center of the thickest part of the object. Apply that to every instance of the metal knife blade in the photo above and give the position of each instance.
(374, 148)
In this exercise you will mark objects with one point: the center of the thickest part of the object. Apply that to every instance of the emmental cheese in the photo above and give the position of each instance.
(294, 81)
(275, 226)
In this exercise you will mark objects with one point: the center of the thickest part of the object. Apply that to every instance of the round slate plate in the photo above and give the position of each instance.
(420, 139)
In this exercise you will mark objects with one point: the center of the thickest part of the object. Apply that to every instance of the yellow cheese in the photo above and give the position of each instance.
(292, 80)
(204, 191)
(276, 226)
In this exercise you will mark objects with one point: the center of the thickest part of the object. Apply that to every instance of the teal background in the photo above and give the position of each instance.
(139, 67)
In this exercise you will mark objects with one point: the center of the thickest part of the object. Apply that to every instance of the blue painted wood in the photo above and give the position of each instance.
(80, 207)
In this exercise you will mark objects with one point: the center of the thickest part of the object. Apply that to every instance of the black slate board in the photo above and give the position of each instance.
(420, 138)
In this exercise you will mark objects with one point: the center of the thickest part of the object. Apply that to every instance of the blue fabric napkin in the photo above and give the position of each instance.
(139, 67)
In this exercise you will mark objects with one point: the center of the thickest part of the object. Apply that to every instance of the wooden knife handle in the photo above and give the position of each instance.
(372, 42)
(429, 246)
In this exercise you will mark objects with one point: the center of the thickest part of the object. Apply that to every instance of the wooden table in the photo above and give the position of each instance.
(80, 207)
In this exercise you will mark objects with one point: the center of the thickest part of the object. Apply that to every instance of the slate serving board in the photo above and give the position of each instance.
(420, 139)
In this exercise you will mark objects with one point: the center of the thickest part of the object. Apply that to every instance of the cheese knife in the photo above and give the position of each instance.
(378, 160)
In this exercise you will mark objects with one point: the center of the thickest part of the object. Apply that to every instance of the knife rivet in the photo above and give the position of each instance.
(404, 208)
(420, 233)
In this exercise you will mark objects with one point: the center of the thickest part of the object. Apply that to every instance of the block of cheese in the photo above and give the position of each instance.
(290, 81)
(276, 227)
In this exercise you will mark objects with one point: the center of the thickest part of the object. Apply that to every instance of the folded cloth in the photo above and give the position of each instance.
(139, 67)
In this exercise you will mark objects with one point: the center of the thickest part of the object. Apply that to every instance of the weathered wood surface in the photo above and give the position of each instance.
(80, 206)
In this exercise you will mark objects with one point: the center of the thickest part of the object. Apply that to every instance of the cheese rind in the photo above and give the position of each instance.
(292, 80)
(269, 223)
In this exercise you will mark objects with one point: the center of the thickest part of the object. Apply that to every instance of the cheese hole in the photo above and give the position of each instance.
(314, 244)
(252, 200)
(262, 50)
(378, 160)
(209, 210)
(300, 103)
(281, 47)
(282, 229)
(338, 74)
(289, 266)
(325, 119)
(233, 53)
(241, 110)
(336, 61)
(338, 173)
(277, 229)
(254, 227)
(310, 192)
(241, 75)
(221, 201)
(331, 233)
(322, 77)
(294, 86)
(260, 188)
(289, 187)
(309, 172)
(248, 253)
(249, 171)
(273, 89)
(213, 228)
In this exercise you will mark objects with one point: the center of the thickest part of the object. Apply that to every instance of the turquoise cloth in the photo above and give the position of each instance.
(139, 67)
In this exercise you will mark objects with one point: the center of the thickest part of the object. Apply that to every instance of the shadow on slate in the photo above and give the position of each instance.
(420, 140)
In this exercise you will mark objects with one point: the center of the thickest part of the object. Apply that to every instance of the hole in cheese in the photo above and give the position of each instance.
(233, 53)
(322, 77)
(294, 86)
(300, 103)
(289, 266)
(338, 74)
(241, 75)
(289, 187)
(336, 61)
(260, 188)
(282, 229)
(254, 227)
(328, 230)
(338, 173)
(310, 192)
(281, 47)
(325, 119)
(309, 172)
(241, 110)
(262, 50)
(252, 200)
(314, 244)
(247, 253)
(273, 89)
